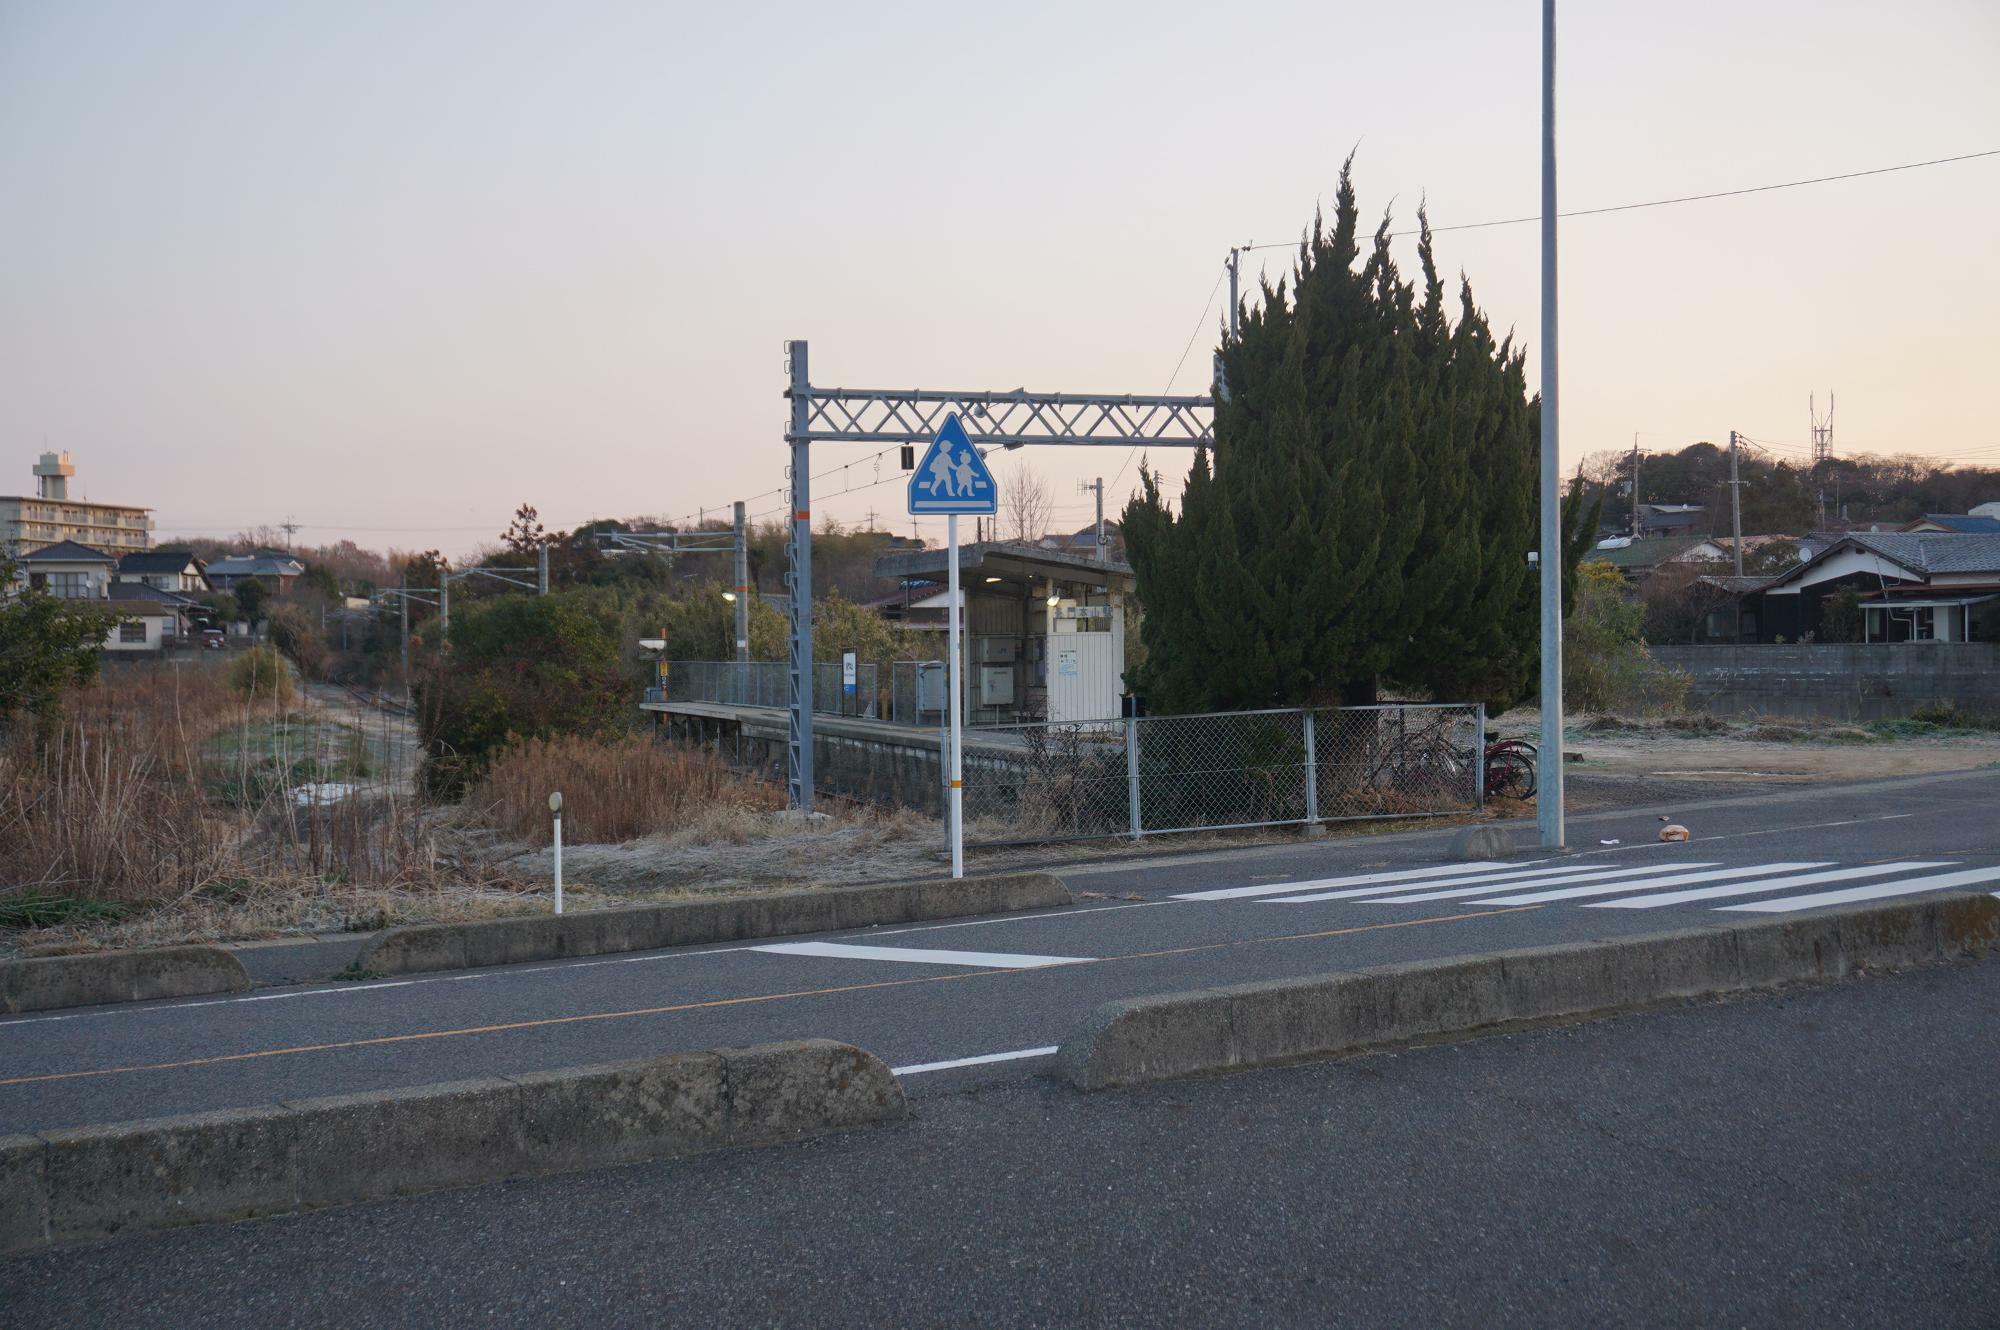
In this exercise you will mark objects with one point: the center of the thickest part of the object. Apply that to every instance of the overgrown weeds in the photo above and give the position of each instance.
(166, 786)
(616, 790)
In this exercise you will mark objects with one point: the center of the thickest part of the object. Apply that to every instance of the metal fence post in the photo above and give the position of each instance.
(1312, 770)
(1479, 756)
(1132, 773)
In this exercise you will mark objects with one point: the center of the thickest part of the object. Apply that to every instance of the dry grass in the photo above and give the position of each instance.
(161, 787)
(620, 790)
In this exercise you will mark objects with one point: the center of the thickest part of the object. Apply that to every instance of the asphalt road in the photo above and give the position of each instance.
(997, 994)
(1824, 1158)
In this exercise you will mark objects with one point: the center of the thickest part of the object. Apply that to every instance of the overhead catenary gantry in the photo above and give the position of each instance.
(913, 416)
(734, 541)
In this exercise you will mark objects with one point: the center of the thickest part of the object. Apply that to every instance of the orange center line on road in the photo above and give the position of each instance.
(735, 1001)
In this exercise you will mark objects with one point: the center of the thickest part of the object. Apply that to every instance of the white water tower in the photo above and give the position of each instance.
(52, 475)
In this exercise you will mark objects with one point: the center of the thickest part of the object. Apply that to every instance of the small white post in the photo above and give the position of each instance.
(957, 706)
(555, 811)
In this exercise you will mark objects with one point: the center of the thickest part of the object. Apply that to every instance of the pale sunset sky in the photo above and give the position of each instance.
(390, 269)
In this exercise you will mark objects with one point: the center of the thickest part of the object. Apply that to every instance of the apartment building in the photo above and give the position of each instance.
(50, 516)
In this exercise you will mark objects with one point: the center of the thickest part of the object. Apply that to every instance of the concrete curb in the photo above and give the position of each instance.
(63, 1187)
(118, 976)
(1140, 1041)
(687, 923)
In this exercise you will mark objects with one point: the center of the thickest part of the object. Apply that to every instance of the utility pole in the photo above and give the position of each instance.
(1221, 387)
(1549, 801)
(1096, 486)
(1635, 485)
(798, 580)
(1736, 535)
(542, 569)
(444, 609)
(1735, 506)
(742, 587)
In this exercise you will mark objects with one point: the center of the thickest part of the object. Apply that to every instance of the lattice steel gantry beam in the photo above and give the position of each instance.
(1009, 420)
(1003, 419)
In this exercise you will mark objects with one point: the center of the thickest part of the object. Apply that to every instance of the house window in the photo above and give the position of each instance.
(132, 632)
(68, 586)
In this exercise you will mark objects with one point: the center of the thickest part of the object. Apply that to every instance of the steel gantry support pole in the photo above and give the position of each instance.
(1549, 799)
(799, 738)
(742, 586)
(542, 570)
(403, 607)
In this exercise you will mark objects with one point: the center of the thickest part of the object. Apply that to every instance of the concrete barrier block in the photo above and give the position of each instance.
(1968, 925)
(180, 1170)
(49, 982)
(622, 1112)
(1474, 844)
(779, 1091)
(399, 1142)
(1210, 1030)
(24, 1194)
(1136, 1040)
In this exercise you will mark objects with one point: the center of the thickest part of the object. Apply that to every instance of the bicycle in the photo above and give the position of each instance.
(1511, 769)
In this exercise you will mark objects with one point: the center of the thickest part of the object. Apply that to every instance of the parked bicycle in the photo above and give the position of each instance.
(1510, 769)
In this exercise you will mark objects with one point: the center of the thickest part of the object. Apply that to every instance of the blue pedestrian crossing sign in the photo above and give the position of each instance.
(951, 476)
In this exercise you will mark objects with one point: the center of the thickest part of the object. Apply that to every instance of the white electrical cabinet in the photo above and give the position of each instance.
(996, 685)
(1086, 672)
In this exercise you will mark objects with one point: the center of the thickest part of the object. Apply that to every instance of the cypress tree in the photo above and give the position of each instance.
(1368, 508)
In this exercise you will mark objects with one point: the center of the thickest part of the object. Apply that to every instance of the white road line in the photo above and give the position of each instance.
(1773, 884)
(1671, 880)
(1541, 880)
(988, 960)
(1498, 881)
(1014, 1056)
(1910, 886)
(1359, 880)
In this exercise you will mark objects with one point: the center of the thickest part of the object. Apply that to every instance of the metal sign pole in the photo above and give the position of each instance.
(957, 708)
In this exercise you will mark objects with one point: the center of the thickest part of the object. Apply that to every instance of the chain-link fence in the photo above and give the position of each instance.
(1221, 770)
(767, 683)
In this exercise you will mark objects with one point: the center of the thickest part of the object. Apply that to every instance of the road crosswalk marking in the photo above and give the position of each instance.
(1369, 881)
(985, 960)
(1488, 889)
(1766, 884)
(1565, 873)
(1906, 887)
(1643, 888)
(1670, 880)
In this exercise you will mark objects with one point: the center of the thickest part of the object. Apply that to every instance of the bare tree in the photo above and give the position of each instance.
(1027, 506)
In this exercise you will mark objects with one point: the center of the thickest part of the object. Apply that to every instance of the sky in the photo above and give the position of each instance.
(388, 270)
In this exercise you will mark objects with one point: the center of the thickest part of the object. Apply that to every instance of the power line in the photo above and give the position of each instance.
(1683, 198)
(1178, 365)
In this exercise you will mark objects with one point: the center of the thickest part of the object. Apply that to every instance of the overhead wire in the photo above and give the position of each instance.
(1682, 198)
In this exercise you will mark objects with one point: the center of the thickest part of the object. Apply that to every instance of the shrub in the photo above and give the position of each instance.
(613, 789)
(519, 667)
(260, 673)
(1605, 663)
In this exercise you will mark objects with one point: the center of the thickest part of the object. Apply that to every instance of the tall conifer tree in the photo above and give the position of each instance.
(1366, 515)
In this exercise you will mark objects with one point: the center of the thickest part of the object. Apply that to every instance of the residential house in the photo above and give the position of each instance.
(1640, 559)
(1084, 541)
(151, 619)
(1978, 522)
(166, 570)
(276, 572)
(67, 570)
(1671, 519)
(51, 517)
(1913, 586)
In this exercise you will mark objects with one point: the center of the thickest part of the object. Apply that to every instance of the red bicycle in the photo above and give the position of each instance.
(1510, 769)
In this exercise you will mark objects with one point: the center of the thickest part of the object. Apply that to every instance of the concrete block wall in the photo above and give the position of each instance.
(1840, 681)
